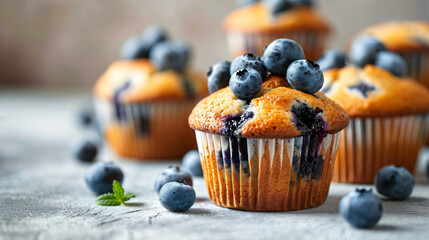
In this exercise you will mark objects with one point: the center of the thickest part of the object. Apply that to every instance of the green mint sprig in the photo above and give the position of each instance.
(116, 198)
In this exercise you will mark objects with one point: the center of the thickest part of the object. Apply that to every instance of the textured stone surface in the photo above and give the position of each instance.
(43, 195)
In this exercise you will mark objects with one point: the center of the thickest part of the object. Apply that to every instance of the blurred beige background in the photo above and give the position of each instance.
(69, 43)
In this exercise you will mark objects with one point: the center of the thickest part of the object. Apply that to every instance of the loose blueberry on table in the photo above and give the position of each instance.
(279, 54)
(172, 174)
(394, 182)
(177, 197)
(332, 59)
(391, 62)
(218, 76)
(364, 50)
(85, 117)
(99, 177)
(84, 150)
(305, 76)
(361, 208)
(249, 61)
(192, 163)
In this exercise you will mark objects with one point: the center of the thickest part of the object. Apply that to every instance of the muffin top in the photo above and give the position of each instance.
(277, 111)
(374, 92)
(153, 69)
(275, 96)
(401, 36)
(257, 18)
(139, 80)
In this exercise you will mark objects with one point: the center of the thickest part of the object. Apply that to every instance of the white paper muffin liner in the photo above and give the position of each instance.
(367, 145)
(418, 66)
(267, 174)
(157, 130)
(313, 44)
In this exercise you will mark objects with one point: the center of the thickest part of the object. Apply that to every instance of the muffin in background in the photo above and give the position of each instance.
(142, 102)
(252, 26)
(410, 40)
(389, 114)
(264, 145)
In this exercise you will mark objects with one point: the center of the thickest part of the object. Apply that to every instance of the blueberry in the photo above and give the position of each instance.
(279, 54)
(170, 55)
(154, 34)
(191, 162)
(218, 76)
(361, 208)
(305, 76)
(332, 59)
(245, 83)
(84, 150)
(99, 177)
(248, 60)
(278, 6)
(394, 182)
(85, 117)
(296, 3)
(364, 50)
(243, 3)
(391, 62)
(177, 197)
(140, 46)
(135, 48)
(172, 174)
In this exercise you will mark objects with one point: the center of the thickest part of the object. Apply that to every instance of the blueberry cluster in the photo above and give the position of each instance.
(174, 187)
(278, 6)
(282, 57)
(362, 209)
(154, 45)
(365, 50)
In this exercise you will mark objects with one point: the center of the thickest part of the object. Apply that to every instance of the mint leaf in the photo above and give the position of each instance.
(108, 199)
(118, 190)
(128, 196)
(115, 198)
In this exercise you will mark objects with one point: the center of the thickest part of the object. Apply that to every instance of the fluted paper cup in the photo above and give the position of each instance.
(418, 66)
(367, 145)
(147, 131)
(267, 174)
(313, 44)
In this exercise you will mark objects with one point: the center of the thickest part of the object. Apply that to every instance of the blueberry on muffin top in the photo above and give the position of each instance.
(281, 102)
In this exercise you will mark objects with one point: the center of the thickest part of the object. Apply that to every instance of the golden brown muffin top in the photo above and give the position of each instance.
(140, 81)
(278, 111)
(374, 92)
(401, 36)
(256, 18)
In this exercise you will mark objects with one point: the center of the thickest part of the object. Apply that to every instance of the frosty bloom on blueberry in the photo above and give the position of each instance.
(361, 208)
(305, 75)
(248, 61)
(172, 174)
(218, 76)
(279, 54)
(245, 83)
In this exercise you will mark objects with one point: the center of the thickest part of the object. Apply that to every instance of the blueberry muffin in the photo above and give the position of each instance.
(410, 40)
(143, 101)
(388, 112)
(267, 138)
(252, 26)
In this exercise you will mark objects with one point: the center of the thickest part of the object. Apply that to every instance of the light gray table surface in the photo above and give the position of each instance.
(43, 194)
